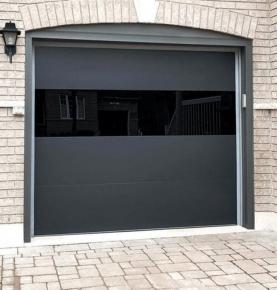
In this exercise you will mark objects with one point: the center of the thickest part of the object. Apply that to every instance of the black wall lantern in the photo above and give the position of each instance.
(10, 34)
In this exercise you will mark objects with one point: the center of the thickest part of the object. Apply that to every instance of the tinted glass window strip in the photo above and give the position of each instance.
(61, 113)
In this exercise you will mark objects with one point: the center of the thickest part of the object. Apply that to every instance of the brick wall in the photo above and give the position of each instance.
(12, 78)
(11, 167)
(255, 19)
(273, 113)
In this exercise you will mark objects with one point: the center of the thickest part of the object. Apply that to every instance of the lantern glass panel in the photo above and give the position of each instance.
(10, 38)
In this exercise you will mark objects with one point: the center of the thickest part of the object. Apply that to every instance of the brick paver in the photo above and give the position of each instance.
(225, 261)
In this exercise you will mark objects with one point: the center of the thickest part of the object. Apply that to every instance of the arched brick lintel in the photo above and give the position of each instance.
(69, 12)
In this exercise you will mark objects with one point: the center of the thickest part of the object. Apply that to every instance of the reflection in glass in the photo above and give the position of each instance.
(134, 113)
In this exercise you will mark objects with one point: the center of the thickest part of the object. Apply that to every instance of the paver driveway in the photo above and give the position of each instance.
(226, 261)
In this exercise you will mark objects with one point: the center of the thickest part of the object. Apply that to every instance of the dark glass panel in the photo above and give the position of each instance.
(113, 123)
(134, 113)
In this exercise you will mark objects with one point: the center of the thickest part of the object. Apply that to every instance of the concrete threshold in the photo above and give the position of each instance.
(12, 235)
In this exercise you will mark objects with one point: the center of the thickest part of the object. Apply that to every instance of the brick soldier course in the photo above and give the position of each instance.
(226, 261)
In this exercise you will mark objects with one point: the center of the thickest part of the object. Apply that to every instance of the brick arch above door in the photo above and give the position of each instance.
(70, 12)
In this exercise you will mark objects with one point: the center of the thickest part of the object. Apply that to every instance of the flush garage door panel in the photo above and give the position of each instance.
(125, 69)
(107, 184)
(129, 139)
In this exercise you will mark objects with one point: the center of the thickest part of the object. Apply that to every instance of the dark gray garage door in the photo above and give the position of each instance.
(133, 139)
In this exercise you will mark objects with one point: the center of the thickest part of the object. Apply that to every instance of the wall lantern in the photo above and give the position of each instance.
(10, 34)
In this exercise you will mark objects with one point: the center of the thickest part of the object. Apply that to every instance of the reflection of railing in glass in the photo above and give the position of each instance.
(199, 117)
(202, 116)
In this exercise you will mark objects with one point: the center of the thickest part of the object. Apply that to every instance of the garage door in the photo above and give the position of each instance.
(131, 139)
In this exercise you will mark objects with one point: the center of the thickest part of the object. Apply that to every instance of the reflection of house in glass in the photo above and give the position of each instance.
(133, 113)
